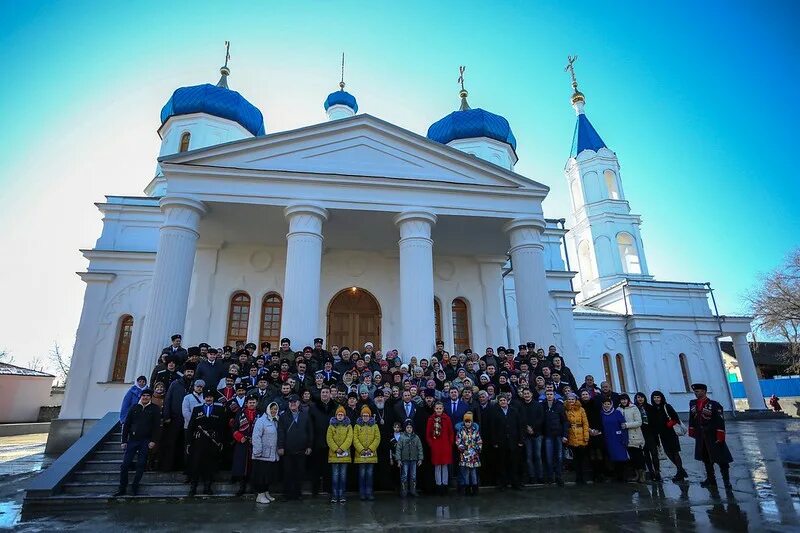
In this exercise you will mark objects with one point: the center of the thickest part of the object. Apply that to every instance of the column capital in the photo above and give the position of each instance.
(306, 209)
(526, 222)
(168, 202)
(415, 214)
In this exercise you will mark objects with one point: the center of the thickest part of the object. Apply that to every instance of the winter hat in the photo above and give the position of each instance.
(366, 410)
(342, 410)
(407, 423)
(363, 389)
(468, 416)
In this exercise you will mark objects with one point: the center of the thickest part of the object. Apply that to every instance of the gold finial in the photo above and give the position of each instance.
(341, 83)
(224, 70)
(577, 96)
(463, 92)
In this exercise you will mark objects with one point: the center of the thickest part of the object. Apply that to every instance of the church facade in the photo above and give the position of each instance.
(358, 230)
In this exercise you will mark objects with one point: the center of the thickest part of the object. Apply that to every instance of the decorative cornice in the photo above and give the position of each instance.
(97, 277)
(183, 201)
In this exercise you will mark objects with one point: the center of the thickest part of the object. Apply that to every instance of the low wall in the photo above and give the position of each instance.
(22, 396)
(790, 404)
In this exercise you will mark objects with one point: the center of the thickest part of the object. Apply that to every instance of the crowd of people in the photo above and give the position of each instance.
(345, 420)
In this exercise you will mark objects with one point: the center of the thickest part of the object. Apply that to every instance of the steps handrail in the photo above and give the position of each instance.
(50, 480)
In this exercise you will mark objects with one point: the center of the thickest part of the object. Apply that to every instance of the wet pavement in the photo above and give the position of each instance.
(766, 478)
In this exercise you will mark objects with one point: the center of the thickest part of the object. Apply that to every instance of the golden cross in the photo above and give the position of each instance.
(571, 69)
(227, 52)
(461, 70)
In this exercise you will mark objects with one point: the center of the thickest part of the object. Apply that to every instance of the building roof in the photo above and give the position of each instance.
(7, 369)
(764, 353)
(585, 137)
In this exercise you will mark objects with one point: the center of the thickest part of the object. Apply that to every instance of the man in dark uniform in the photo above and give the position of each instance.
(707, 428)
(172, 413)
(206, 428)
(319, 354)
(170, 373)
(507, 430)
(140, 432)
(176, 350)
(286, 351)
(295, 440)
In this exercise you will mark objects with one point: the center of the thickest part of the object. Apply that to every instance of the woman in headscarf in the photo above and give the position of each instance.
(664, 420)
(265, 453)
(615, 437)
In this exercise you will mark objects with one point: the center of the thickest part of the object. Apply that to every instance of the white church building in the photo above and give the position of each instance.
(355, 229)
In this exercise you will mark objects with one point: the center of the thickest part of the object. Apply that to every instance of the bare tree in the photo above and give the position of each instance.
(775, 305)
(38, 364)
(6, 357)
(60, 361)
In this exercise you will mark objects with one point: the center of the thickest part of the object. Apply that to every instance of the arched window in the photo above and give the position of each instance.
(591, 187)
(185, 138)
(437, 319)
(611, 184)
(238, 317)
(628, 254)
(687, 380)
(271, 312)
(577, 200)
(123, 347)
(460, 325)
(585, 262)
(621, 372)
(607, 369)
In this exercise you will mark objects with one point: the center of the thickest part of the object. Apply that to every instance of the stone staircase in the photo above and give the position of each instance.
(94, 477)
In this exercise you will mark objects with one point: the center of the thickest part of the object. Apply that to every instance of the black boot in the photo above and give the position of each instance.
(726, 476)
(711, 478)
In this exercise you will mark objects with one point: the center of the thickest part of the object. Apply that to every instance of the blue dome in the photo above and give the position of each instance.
(341, 98)
(217, 101)
(472, 123)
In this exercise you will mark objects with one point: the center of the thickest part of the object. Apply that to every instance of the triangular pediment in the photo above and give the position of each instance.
(360, 146)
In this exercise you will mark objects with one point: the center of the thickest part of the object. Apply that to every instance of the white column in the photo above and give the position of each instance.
(300, 321)
(84, 355)
(172, 277)
(530, 280)
(417, 328)
(752, 387)
(494, 316)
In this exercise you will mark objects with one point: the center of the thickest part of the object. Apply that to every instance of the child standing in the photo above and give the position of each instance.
(366, 439)
(439, 434)
(397, 432)
(339, 438)
(469, 444)
(408, 455)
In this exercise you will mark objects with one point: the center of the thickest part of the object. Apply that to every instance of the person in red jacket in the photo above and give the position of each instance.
(440, 437)
(242, 426)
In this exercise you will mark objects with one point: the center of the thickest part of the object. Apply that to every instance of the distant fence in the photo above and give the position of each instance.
(778, 387)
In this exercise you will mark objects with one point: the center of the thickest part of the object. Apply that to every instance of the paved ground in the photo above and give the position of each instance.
(766, 478)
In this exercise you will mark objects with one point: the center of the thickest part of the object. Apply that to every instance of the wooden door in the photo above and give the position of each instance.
(354, 317)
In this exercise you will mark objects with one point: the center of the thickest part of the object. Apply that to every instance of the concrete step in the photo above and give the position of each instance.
(107, 455)
(69, 503)
(89, 476)
(168, 490)
(100, 464)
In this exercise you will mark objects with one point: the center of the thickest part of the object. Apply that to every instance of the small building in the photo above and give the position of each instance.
(24, 392)
(769, 357)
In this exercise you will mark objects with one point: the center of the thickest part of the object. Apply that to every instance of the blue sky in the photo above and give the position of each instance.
(696, 98)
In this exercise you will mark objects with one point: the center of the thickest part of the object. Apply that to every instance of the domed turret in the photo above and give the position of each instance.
(204, 115)
(477, 132)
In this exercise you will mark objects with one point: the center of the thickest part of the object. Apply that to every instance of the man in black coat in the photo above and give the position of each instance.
(140, 432)
(533, 417)
(321, 413)
(211, 370)
(707, 428)
(295, 441)
(405, 409)
(507, 431)
(206, 433)
(555, 429)
(172, 412)
(425, 477)
(488, 473)
(176, 350)
(383, 418)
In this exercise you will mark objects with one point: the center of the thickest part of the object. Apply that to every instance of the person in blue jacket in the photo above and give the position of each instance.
(615, 437)
(132, 398)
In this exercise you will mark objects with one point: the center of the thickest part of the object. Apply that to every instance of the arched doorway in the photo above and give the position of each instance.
(354, 317)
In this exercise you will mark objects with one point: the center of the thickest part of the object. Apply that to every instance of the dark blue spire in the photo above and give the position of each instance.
(585, 137)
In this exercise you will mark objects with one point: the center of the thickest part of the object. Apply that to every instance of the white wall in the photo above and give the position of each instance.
(22, 397)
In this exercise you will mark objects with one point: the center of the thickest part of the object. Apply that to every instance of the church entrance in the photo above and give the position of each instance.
(354, 317)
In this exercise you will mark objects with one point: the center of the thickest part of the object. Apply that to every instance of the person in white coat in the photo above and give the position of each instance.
(633, 424)
(265, 453)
